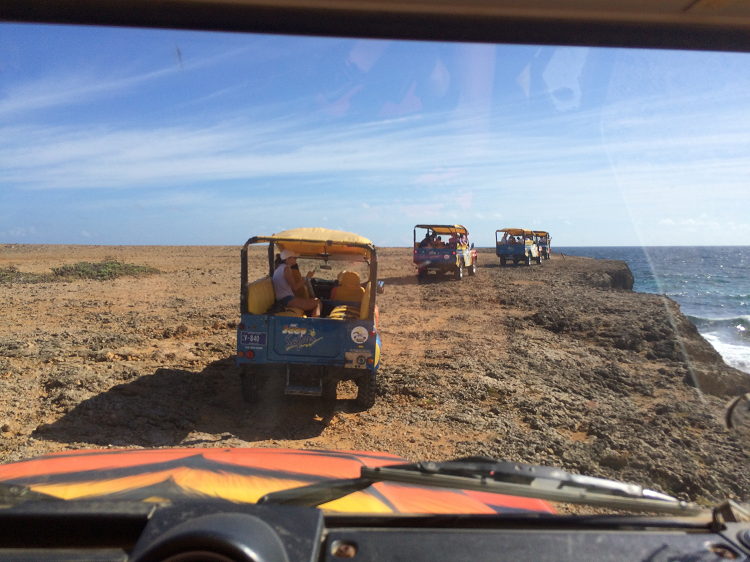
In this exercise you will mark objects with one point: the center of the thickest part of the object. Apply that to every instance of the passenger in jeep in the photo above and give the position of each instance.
(284, 286)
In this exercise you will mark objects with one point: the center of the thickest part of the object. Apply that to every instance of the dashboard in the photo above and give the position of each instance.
(220, 531)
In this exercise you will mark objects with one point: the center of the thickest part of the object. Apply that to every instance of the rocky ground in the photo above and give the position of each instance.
(558, 364)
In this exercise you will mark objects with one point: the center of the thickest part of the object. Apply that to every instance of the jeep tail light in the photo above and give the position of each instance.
(370, 361)
(240, 326)
(249, 354)
(372, 333)
(240, 354)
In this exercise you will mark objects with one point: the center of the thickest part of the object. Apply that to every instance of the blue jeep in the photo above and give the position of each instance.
(543, 240)
(312, 354)
(444, 249)
(517, 245)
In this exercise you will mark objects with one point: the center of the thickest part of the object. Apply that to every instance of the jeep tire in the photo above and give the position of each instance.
(366, 391)
(251, 386)
(459, 271)
(329, 391)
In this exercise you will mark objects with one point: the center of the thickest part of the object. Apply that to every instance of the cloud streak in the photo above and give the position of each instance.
(251, 163)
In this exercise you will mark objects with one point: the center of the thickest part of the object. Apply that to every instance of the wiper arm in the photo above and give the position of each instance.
(489, 475)
(12, 494)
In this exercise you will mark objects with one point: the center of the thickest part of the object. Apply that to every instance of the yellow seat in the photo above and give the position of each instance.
(364, 311)
(350, 289)
(344, 311)
(260, 298)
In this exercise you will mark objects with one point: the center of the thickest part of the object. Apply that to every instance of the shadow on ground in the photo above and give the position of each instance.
(438, 278)
(403, 280)
(510, 264)
(164, 408)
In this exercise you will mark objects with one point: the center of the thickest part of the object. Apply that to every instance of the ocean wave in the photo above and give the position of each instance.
(737, 356)
(734, 322)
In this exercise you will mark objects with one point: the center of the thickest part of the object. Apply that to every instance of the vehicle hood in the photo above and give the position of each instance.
(242, 476)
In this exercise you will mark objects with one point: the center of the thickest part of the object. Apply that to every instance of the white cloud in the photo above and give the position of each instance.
(21, 232)
(417, 168)
(85, 86)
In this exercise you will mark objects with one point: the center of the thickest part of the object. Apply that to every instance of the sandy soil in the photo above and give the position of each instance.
(558, 364)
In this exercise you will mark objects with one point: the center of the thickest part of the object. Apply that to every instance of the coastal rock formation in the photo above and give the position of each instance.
(559, 364)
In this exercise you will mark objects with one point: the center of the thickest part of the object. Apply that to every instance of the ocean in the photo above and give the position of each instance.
(711, 285)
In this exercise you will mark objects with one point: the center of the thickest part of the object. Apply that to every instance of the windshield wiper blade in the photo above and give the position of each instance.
(13, 494)
(533, 475)
(500, 477)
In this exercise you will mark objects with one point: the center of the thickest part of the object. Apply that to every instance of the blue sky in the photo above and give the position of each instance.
(122, 136)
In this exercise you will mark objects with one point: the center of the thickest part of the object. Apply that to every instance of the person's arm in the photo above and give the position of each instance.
(290, 279)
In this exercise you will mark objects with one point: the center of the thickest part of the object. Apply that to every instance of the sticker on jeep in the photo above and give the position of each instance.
(298, 338)
(359, 334)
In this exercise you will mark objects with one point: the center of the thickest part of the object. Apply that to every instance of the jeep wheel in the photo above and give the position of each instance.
(502, 261)
(528, 259)
(539, 259)
(459, 272)
(329, 391)
(472, 269)
(367, 387)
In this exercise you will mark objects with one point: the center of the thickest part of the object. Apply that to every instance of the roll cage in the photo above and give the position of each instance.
(329, 250)
(441, 229)
(526, 234)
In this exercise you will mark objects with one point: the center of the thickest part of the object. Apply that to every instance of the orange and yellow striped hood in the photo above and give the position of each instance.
(240, 475)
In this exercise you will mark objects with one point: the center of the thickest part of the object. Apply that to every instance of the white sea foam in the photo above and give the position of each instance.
(737, 356)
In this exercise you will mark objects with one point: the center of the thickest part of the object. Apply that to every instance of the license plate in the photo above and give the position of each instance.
(253, 338)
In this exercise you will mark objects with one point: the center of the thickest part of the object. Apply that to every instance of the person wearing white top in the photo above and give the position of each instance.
(284, 286)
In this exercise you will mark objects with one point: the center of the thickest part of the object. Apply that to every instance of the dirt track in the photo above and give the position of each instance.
(556, 364)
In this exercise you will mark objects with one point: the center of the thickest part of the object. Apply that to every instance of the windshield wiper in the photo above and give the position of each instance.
(12, 494)
(499, 477)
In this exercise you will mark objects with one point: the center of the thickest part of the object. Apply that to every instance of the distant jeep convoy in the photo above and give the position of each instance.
(312, 331)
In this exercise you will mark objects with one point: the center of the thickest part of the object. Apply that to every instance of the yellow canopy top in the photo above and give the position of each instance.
(315, 241)
(445, 228)
(540, 232)
(516, 231)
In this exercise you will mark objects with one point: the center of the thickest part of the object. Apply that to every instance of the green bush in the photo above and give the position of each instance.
(102, 271)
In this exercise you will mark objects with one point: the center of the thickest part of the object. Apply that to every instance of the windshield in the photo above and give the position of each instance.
(337, 269)
(135, 164)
